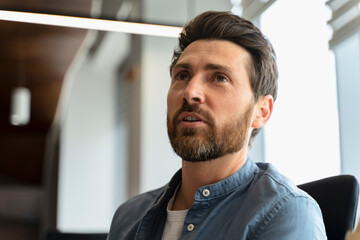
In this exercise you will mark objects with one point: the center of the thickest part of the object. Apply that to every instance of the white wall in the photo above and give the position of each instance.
(348, 79)
(158, 162)
(92, 168)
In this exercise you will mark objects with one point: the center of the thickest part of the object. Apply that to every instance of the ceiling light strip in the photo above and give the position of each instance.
(93, 24)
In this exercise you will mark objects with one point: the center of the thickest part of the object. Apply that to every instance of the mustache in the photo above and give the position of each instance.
(186, 107)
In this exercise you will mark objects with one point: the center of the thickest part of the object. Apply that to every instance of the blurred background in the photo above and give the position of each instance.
(83, 112)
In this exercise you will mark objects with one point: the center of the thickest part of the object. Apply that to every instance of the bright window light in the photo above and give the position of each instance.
(302, 137)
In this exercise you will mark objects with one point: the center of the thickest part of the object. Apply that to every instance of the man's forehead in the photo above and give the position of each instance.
(213, 42)
(218, 54)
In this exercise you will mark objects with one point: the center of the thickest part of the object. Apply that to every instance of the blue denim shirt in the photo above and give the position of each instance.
(256, 202)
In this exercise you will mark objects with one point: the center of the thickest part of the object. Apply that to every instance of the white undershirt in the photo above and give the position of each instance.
(174, 221)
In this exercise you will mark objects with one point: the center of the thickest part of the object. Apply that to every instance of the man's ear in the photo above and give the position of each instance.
(263, 110)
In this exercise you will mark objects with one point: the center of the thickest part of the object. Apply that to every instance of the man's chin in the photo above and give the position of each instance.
(195, 149)
(192, 139)
(192, 132)
(199, 157)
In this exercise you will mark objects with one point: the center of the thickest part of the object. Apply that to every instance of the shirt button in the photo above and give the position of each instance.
(206, 192)
(190, 227)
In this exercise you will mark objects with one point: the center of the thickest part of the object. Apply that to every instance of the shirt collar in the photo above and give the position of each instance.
(170, 189)
(239, 180)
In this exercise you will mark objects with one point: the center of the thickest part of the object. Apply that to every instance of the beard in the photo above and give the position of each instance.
(210, 142)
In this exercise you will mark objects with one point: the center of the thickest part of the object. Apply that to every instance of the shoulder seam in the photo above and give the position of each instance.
(276, 209)
(279, 204)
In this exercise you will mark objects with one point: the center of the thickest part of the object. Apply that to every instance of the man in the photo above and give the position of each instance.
(223, 85)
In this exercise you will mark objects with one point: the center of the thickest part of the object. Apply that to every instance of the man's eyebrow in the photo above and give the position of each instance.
(182, 65)
(212, 66)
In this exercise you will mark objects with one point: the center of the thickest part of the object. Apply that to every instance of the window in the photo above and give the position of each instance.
(302, 137)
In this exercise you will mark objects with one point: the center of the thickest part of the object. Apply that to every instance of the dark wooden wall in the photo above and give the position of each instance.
(40, 55)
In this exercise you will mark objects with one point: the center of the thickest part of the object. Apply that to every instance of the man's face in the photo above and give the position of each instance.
(210, 101)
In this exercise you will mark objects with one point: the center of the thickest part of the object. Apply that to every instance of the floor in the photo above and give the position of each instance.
(19, 212)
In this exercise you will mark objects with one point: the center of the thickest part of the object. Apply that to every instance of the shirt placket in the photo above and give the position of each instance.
(196, 214)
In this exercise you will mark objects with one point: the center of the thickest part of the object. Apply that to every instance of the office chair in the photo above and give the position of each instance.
(56, 235)
(337, 197)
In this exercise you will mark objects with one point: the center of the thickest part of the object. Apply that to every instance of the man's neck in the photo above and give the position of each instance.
(198, 174)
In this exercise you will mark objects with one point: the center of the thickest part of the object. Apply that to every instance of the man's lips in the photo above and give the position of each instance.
(191, 119)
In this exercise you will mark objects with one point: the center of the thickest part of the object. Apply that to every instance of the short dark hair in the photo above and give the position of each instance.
(263, 70)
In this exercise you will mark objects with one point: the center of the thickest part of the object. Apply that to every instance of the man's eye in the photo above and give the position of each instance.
(221, 78)
(182, 76)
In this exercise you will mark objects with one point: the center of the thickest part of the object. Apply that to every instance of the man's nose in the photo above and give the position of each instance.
(194, 92)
